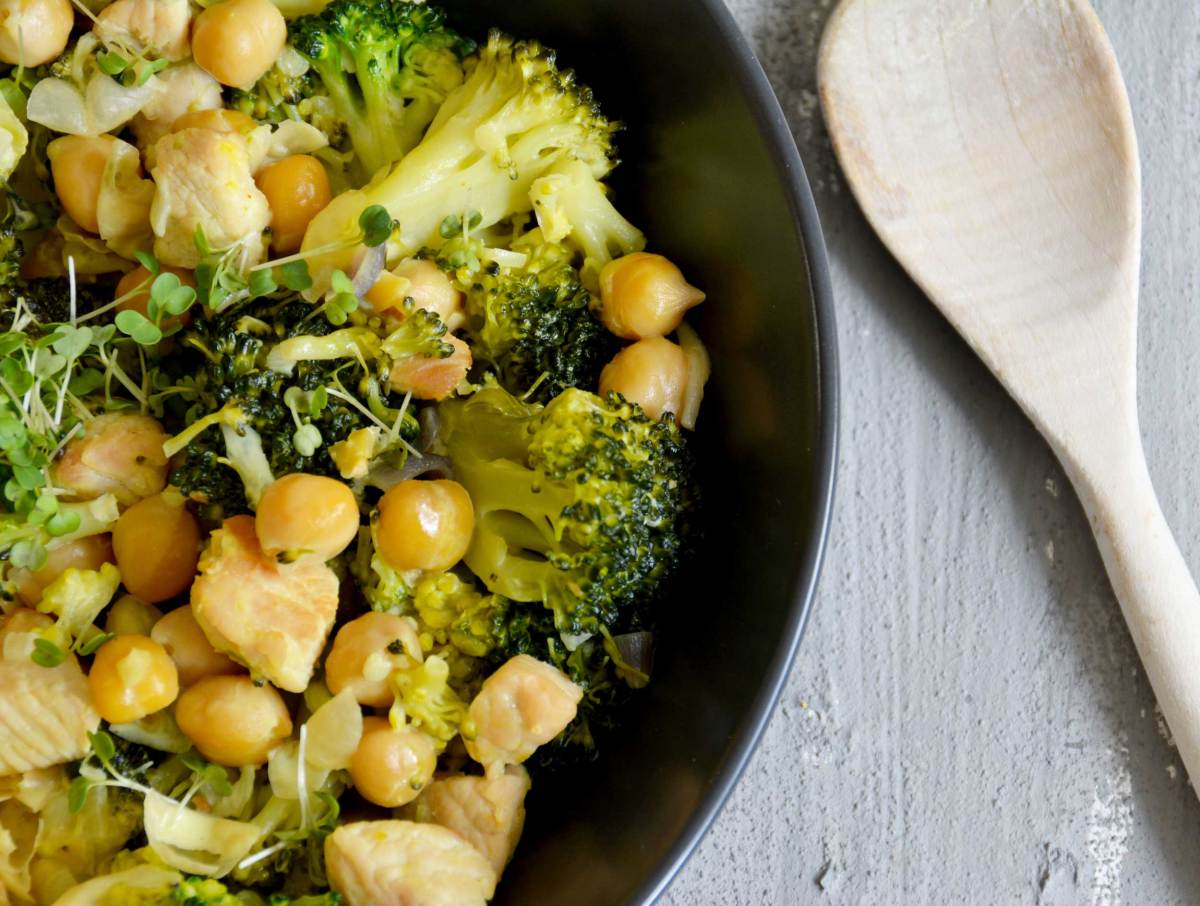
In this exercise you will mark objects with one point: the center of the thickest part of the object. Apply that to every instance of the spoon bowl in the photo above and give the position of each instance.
(991, 146)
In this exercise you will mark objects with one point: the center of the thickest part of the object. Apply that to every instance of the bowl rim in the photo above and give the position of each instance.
(760, 98)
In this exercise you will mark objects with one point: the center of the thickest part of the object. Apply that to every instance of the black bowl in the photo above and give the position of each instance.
(712, 175)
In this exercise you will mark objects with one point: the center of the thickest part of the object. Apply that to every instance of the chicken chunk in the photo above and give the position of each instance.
(521, 706)
(186, 88)
(272, 617)
(488, 813)
(156, 27)
(401, 863)
(118, 454)
(204, 180)
(46, 713)
(432, 379)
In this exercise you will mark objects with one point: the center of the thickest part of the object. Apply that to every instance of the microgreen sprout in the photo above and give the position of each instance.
(307, 437)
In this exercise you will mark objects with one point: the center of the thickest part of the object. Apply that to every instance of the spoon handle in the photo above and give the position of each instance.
(1157, 593)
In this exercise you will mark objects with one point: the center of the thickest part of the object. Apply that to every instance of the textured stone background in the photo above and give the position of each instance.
(967, 721)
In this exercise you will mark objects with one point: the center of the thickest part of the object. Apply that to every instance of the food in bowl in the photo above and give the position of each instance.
(344, 448)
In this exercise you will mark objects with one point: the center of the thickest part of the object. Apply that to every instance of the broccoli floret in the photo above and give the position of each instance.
(425, 699)
(420, 335)
(511, 121)
(283, 94)
(387, 65)
(536, 325)
(48, 299)
(222, 358)
(454, 610)
(581, 504)
(572, 206)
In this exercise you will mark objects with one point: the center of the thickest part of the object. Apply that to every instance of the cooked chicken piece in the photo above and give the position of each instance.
(157, 27)
(186, 88)
(203, 179)
(521, 706)
(488, 813)
(401, 863)
(272, 617)
(46, 713)
(432, 379)
(118, 454)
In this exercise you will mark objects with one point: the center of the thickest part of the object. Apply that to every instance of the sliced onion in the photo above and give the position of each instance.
(369, 269)
(431, 424)
(636, 650)
(334, 731)
(699, 367)
(386, 477)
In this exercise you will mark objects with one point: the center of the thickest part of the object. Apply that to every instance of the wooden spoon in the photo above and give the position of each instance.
(992, 148)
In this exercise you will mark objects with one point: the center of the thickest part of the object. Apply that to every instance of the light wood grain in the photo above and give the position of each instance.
(991, 146)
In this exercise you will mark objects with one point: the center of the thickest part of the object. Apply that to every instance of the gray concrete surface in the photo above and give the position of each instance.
(968, 721)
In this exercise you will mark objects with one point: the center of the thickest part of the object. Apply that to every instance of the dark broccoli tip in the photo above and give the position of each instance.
(225, 356)
(48, 299)
(537, 331)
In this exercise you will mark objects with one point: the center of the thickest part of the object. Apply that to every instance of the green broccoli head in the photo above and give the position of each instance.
(573, 206)
(386, 65)
(514, 117)
(453, 611)
(48, 299)
(581, 504)
(536, 329)
(223, 359)
(283, 94)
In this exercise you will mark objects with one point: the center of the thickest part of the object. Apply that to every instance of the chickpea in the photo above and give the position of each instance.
(131, 615)
(86, 553)
(432, 379)
(193, 654)
(117, 454)
(133, 290)
(77, 164)
(425, 525)
(652, 373)
(423, 282)
(354, 643)
(297, 188)
(236, 41)
(390, 767)
(644, 295)
(226, 122)
(157, 543)
(303, 514)
(33, 32)
(131, 677)
(232, 721)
